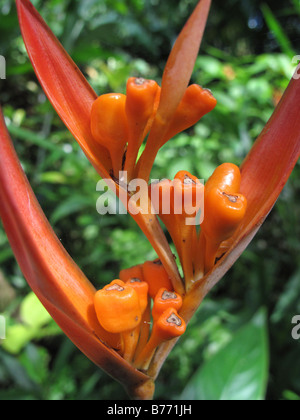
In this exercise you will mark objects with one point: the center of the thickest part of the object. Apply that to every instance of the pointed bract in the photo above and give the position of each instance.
(62, 81)
(181, 61)
(265, 172)
(175, 80)
(51, 273)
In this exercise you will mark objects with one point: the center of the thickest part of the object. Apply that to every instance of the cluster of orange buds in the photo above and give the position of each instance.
(144, 293)
(217, 208)
(127, 305)
(224, 209)
(120, 122)
(200, 219)
(177, 203)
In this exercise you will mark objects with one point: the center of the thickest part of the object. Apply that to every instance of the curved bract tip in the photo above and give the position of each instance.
(62, 81)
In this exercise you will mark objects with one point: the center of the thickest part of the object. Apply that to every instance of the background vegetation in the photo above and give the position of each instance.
(239, 344)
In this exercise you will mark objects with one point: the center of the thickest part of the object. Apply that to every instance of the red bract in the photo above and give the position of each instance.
(265, 172)
(51, 273)
(54, 277)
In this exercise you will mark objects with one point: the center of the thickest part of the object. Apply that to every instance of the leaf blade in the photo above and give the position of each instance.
(238, 371)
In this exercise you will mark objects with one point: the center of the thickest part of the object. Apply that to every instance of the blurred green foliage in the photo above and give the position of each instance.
(239, 343)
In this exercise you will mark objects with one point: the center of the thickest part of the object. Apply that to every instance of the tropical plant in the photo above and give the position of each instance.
(238, 200)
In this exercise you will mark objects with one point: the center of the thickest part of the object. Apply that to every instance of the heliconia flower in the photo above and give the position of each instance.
(161, 113)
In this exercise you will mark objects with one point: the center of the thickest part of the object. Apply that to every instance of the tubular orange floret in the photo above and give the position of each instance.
(156, 277)
(162, 197)
(109, 126)
(164, 300)
(140, 107)
(117, 307)
(144, 330)
(182, 198)
(178, 203)
(168, 326)
(189, 197)
(141, 332)
(188, 194)
(141, 287)
(224, 212)
(132, 272)
(226, 177)
(195, 103)
(140, 100)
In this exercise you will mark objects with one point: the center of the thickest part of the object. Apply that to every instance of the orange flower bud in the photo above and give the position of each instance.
(195, 103)
(141, 287)
(226, 177)
(169, 325)
(188, 194)
(141, 104)
(117, 307)
(140, 101)
(156, 277)
(224, 210)
(109, 126)
(178, 203)
(162, 197)
(223, 213)
(132, 272)
(165, 300)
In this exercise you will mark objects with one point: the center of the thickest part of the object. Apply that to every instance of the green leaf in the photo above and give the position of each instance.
(17, 336)
(277, 30)
(288, 300)
(52, 177)
(36, 324)
(70, 206)
(35, 360)
(290, 396)
(238, 371)
(296, 5)
(33, 312)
